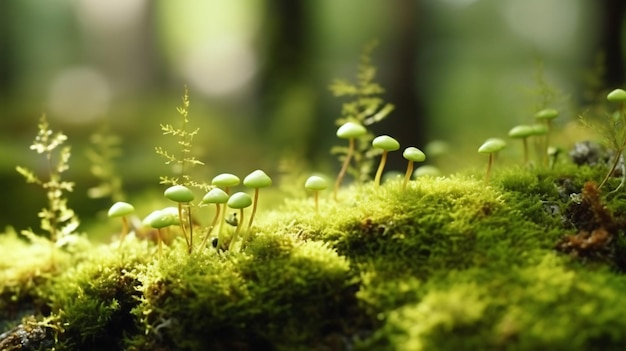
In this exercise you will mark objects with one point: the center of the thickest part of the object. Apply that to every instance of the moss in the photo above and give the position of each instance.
(546, 305)
(280, 292)
(91, 302)
(446, 264)
(24, 268)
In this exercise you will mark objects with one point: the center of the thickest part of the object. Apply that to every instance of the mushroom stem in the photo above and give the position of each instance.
(124, 231)
(490, 162)
(316, 196)
(234, 238)
(219, 226)
(547, 145)
(254, 204)
(182, 227)
(188, 238)
(213, 223)
(618, 155)
(190, 223)
(407, 175)
(525, 143)
(219, 230)
(381, 166)
(159, 242)
(344, 167)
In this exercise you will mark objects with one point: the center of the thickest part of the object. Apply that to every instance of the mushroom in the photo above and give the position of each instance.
(350, 131)
(239, 201)
(386, 143)
(546, 115)
(617, 95)
(427, 171)
(121, 209)
(522, 132)
(256, 180)
(491, 146)
(215, 196)
(412, 154)
(225, 181)
(158, 220)
(316, 184)
(182, 195)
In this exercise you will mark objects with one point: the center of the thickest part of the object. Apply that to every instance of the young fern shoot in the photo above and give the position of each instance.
(105, 149)
(182, 162)
(365, 107)
(57, 219)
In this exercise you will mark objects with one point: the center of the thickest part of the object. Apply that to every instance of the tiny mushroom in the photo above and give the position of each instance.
(256, 180)
(158, 220)
(539, 129)
(412, 154)
(239, 201)
(215, 196)
(427, 171)
(350, 131)
(121, 209)
(547, 115)
(616, 95)
(182, 195)
(316, 184)
(522, 132)
(554, 153)
(491, 146)
(386, 143)
(225, 181)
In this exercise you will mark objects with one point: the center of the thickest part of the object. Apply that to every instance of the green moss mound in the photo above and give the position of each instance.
(449, 263)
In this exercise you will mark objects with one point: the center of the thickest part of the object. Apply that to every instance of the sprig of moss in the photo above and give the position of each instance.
(102, 155)
(57, 219)
(184, 160)
(366, 106)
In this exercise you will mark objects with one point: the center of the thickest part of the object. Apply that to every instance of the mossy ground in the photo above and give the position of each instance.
(449, 263)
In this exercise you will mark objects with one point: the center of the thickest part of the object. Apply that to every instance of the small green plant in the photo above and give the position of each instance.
(491, 147)
(105, 149)
(316, 184)
(185, 159)
(411, 154)
(366, 108)
(385, 143)
(121, 210)
(57, 219)
(239, 201)
(256, 180)
(183, 196)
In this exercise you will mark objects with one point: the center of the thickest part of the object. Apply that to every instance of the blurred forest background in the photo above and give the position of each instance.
(258, 74)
